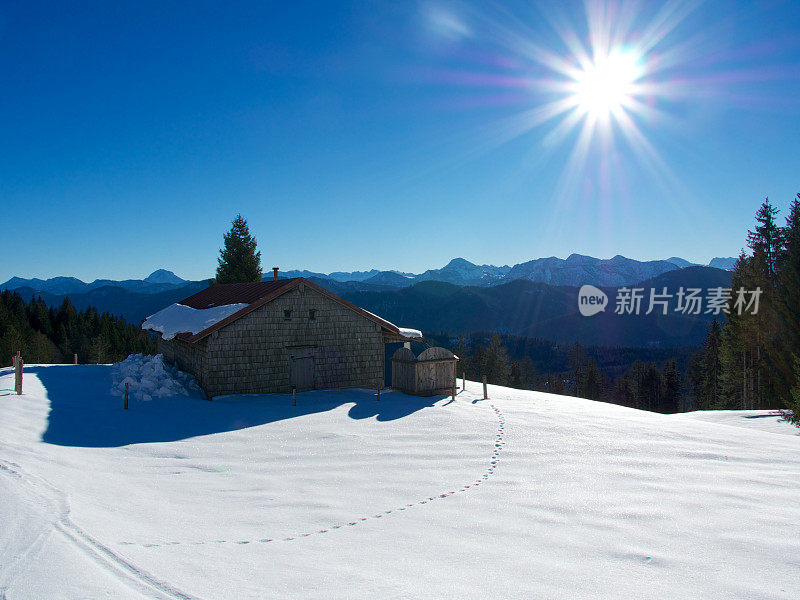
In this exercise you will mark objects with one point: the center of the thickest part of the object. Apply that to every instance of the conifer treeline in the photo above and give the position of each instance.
(752, 361)
(49, 335)
(644, 385)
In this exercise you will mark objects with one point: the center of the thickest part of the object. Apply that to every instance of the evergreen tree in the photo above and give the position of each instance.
(651, 388)
(756, 350)
(671, 387)
(736, 353)
(592, 383)
(100, 350)
(515, 374)
(11, 342)
(496, 365)
(554, 384)
(239, 262)
(711, 385)
(793, 414)
(766, 243)
(788, 305)
(461, 350)
(576, 363)
(475, 363)
(529, 376)
(695, 376)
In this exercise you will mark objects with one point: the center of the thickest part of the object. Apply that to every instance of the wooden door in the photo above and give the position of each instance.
(302, 373)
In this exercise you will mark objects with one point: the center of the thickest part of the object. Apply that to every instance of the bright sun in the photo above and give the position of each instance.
(607, 84)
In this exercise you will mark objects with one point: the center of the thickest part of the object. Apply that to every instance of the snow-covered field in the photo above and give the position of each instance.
(524, 495)
(763, 420)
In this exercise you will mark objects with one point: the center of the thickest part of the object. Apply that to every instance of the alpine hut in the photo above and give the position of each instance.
(272, 336)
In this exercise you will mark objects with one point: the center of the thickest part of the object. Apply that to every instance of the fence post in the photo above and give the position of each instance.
(454, 392)
(294, 396)
(379, 394)
(126, 395)
(75, 359)
(485, 395)
(18, 375)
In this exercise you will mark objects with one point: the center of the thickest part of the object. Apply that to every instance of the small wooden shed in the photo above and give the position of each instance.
(432, 372)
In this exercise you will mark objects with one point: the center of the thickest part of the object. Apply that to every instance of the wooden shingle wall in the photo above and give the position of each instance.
(188, 357)
(253, 354)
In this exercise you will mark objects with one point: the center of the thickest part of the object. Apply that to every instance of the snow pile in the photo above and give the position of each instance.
(177, 318)
(150, 377)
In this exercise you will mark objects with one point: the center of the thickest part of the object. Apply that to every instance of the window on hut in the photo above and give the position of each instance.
(312, 314)
(287, 315)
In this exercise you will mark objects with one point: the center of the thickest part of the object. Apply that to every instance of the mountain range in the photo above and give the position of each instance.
(520, 306)
(575, 270)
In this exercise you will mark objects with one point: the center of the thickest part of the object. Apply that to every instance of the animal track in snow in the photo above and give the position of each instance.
(493, 463)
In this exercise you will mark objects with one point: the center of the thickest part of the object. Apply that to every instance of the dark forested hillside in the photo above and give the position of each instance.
(45, 334)
(537, 310)
(133, 306)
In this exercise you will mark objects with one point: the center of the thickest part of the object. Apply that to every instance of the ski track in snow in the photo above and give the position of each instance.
(494, 460)
(99, 553)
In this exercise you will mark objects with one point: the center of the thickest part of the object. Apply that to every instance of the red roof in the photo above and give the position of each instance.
(257, 294)
(234, 293)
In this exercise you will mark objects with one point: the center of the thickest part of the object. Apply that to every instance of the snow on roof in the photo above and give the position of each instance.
(177, 318)
(404, 331)
(410, 333)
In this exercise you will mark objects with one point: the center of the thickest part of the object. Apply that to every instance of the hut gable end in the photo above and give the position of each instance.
(300, 331)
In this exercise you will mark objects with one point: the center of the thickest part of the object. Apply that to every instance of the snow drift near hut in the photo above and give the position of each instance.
(150, 377)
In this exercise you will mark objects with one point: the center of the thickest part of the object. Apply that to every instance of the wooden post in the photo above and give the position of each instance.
(18, 375)
(294, 396)
(126, 395)
(485, 395)
(454, 392)
(75, 359)
(463, 381)
(379, 394)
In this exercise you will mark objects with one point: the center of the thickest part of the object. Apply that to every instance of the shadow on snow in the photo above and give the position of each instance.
(84, 413)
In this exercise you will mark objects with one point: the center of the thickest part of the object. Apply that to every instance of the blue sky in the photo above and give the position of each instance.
(385, 135)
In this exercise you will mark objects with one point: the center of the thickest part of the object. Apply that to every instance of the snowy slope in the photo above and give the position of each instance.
(525, 495)
(762, 420)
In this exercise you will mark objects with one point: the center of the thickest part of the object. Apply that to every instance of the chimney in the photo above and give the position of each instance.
(275, 272)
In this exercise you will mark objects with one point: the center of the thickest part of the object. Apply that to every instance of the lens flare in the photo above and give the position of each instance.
(607, 85)
(599, 89)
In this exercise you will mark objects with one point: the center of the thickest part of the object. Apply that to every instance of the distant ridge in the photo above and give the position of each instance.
(575, 270)
(158, 281)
